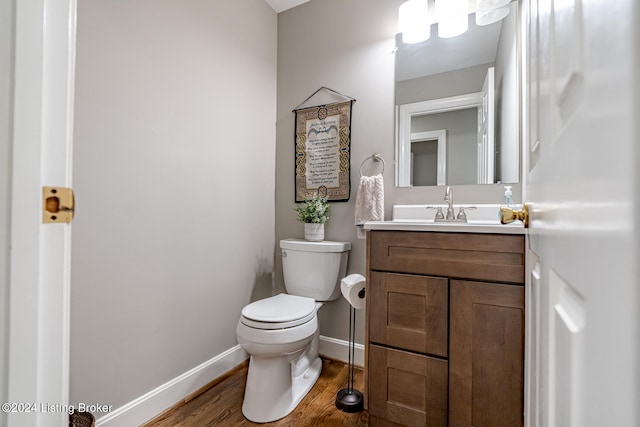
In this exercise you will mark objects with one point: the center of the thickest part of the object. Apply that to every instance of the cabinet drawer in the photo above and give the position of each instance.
(494, 257)
(406, 388)
(409, 312)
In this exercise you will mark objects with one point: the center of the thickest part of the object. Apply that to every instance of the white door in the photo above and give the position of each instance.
(582, 136)
(38, 355)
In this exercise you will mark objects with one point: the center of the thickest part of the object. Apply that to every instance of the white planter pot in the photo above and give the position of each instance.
(314, 232)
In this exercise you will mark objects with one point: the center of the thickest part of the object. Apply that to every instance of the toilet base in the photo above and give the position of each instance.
(273, 392)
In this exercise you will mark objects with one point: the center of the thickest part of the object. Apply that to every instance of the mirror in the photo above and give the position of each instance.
(458, 106)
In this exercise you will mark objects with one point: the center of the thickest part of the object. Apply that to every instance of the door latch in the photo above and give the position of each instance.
(57, 204)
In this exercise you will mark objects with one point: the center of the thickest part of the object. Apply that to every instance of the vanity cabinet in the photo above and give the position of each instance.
(445, 329)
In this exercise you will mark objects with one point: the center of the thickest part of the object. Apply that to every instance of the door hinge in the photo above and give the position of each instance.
(57, 204)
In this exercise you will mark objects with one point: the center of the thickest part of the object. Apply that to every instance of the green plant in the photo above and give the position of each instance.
(314, 210)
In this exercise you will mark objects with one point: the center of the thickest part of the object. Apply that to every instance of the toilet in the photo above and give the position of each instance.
(281, 334)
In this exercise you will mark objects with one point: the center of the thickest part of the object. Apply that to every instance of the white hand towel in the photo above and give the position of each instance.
(369, 202)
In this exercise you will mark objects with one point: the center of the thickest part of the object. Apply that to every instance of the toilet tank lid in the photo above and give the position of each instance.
(323, 246)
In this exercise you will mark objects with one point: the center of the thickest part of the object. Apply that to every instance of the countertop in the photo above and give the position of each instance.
(491, 227)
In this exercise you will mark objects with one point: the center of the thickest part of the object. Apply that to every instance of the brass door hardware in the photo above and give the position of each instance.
(57, 204)
(508, 215)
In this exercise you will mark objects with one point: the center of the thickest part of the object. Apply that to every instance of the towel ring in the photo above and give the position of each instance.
(376, 158)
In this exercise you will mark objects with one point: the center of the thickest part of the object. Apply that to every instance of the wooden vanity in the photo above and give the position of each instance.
(445, 328)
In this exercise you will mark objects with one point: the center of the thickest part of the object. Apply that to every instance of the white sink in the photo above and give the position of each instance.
(483, 219)
(483, 214)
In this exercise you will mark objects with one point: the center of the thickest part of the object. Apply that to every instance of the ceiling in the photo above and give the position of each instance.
(282, 5)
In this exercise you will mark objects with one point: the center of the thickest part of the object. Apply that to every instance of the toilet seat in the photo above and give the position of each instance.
(279, 312)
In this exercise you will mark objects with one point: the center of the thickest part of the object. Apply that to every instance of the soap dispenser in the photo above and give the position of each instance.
(507, 195)
(507, 198)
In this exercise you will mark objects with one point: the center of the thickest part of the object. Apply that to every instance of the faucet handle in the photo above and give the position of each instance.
(462, 216)
(439, 214)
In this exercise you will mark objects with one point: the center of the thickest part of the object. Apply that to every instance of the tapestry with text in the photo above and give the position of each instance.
(322, 151)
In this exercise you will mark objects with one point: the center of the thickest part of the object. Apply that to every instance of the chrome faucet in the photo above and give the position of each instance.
(448, 199)
(450, 215)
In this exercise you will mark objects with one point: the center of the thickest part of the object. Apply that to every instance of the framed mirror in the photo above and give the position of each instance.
(458, 106)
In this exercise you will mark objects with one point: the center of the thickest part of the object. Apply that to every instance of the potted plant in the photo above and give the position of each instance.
(314, 213)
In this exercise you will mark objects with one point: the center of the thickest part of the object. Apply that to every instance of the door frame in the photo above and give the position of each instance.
(406, 112)
(39, 281)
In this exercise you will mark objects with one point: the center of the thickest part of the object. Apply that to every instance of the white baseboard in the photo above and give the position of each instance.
(153, 403)
(156, 401)
(339, 350)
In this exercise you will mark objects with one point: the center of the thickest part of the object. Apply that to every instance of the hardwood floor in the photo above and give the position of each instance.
(221, 405)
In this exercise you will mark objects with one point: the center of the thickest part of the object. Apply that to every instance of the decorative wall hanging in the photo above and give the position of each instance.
(323, 150)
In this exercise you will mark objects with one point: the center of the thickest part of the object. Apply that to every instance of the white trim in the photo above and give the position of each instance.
(396, 141)
(339, 350)
(442, 105)
(38, 355)
(407, 111)
(153, 403)
(486, 132)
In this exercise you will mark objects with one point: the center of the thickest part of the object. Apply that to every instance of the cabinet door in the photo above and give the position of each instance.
(486, 357)
(409, 312)
(407, 388)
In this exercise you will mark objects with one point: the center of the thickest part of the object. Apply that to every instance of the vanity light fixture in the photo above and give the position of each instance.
(452, 17)
(413, 21)
(416, 16)
(487, 17)
(491, 4)
(490, 11)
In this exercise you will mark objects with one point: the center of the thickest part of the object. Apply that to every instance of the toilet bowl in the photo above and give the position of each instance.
(284, 363)
(281, 334)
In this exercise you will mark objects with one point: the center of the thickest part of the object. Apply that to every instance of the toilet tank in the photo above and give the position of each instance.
(314, 269)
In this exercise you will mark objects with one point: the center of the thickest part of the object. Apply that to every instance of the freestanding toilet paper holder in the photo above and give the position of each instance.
(349, 399)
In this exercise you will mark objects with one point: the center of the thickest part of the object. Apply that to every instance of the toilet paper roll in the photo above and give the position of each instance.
(351, 287)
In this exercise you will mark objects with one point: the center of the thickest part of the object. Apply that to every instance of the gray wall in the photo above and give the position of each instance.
(424, 162)
(346, 46)
(174, 175)
(163, 259)
(353, 55)
(462, 138)
(6, 118)
(443, 85)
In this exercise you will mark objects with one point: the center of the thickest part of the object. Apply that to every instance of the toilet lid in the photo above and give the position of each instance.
(280, 311)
